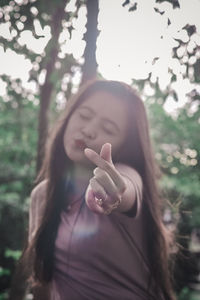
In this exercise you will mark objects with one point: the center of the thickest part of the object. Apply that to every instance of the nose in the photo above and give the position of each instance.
(89, 131)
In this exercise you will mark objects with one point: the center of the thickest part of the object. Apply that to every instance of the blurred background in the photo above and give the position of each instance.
(48, 49)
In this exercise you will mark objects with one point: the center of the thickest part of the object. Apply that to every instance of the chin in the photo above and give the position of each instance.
(76, 156)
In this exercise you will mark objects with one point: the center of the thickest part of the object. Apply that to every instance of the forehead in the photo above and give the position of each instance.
(106, 105)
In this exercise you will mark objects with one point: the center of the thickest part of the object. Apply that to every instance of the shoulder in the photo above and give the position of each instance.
(37, 206)
(134, 191)
(38, 195)
(39, 190)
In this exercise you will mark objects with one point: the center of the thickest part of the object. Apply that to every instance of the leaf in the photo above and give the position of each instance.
(15, 254)
(133, 8)
(126, 2)
(168, 22)
(4, 271)
(191, 29)
(175, 3)
(158, 11)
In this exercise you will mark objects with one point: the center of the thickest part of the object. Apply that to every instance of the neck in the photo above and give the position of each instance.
(81, 177)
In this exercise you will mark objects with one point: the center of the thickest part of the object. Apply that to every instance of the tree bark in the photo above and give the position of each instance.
(89, 68)
(47, 87)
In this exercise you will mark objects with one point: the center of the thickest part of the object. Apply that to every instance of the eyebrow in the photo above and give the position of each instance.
(105, 119)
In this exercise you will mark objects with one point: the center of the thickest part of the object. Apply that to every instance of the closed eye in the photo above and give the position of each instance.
(84, 115)
(108, 130)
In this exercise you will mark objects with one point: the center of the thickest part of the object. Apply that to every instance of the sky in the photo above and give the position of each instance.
(127, 44)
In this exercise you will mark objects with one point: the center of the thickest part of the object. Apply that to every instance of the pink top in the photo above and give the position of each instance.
(98, 257)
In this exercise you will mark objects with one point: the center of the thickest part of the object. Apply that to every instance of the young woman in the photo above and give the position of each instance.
(96, 229)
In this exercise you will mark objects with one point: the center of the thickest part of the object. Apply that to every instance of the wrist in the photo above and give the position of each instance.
(127, 199)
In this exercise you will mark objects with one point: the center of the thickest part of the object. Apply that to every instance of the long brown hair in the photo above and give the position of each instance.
(137, 152)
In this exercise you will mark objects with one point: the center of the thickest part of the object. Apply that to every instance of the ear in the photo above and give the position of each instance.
(106, 152)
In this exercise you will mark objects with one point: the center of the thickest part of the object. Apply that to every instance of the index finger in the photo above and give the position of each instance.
(106, 166)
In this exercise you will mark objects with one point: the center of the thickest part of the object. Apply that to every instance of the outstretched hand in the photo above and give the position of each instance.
(106, 187)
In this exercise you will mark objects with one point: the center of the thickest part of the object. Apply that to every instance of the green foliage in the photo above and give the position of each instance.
(15, 254)
(4, 296)
(176, 142)
(18, 135)
(187, 294)
(4, 272)
(18, 139)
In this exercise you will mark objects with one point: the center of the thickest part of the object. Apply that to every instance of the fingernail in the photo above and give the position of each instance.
(86, 150)
(94, 171)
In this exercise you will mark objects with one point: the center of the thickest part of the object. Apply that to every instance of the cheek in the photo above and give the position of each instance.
(71, 127)
(117, 145)
(67, 137)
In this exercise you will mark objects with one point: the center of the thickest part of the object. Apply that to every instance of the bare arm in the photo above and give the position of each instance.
(133, 191)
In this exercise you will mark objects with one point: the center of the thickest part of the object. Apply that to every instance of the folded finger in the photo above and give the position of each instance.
(106, 182)
(92, 204)
(98, 189)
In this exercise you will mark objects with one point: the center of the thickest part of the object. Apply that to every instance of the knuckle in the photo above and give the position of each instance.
(99, 176)
(95, 171)
(92, 181)
(122, 188)
(107, 166)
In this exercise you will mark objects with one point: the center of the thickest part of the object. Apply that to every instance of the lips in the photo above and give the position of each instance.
(80, 144)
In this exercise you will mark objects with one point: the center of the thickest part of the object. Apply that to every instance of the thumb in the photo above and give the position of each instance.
(106, 152)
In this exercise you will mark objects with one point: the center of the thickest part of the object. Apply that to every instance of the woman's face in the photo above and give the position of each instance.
(99, 119)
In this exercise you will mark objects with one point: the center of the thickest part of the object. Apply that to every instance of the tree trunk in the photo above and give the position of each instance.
(19, 282)
(89, 67)
(47, 87)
